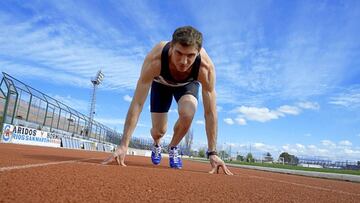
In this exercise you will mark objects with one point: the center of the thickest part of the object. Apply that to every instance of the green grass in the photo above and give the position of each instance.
(300, 168)
(325, 170)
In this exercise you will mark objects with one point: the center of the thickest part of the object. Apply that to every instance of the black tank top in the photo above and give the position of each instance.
(165, 77)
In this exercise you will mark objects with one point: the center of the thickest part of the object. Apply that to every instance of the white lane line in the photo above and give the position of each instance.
(10, 168)
(303, 185)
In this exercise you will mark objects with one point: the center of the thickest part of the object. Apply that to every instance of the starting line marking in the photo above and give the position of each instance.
(10, 168)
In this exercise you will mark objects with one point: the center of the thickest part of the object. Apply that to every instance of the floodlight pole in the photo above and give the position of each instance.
(96, 82)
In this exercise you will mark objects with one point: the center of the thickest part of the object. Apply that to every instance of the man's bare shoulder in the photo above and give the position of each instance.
(207, 69)
(155, 53)
(152, 63)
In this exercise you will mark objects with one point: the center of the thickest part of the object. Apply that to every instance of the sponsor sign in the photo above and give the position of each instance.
(7, 132)
(30, 136)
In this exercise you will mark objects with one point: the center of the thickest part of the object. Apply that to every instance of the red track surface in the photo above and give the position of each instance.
(38, 174)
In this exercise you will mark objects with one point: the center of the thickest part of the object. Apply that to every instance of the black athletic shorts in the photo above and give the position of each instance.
(161, 95)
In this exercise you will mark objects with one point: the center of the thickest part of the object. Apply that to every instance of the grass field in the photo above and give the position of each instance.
(324, 170)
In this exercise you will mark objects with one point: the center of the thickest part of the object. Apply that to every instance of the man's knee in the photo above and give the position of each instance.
(187, 108)
(186, 116)
(158, 132)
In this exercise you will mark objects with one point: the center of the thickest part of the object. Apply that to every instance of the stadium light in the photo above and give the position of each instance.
(98, 78)
(96, 82)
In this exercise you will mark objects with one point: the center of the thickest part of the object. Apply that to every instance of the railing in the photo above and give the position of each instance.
(23, 105)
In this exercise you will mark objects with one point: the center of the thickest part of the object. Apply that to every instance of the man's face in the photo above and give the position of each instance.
(183, 56)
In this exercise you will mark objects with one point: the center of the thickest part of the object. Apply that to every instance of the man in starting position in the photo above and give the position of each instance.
(175, 69)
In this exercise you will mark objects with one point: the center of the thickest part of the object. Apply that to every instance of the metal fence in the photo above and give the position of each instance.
(23, 105)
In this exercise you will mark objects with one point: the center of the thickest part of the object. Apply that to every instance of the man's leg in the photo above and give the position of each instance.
(187, 105)
(158, 130)
(160, 102)
(159, 126)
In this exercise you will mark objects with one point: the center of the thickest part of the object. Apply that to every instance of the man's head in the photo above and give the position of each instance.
(185, 46)
(187, 36)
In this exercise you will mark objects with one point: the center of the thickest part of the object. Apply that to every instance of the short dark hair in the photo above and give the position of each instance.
(187, 36)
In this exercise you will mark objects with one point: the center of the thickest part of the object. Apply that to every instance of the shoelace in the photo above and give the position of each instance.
(157, 151)
(175, 154)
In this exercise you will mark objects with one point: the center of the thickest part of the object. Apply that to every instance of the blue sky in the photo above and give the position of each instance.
(288, 72)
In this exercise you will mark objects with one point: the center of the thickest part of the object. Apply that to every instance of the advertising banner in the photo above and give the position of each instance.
(25, 135)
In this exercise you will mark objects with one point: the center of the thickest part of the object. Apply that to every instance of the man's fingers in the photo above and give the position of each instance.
(122, 163)
(119, 161)
(108, 160)
(213, 170)
(213, 165)
(226, 170)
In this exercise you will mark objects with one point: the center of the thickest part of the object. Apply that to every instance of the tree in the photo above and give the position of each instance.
(188, 141)
(288, 158)
(202, 153)
(249, 157)
(239, 158)
(268, 157)
(294, 160)
(223, 154)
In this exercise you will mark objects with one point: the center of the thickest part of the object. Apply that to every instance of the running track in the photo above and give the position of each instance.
(40, 174)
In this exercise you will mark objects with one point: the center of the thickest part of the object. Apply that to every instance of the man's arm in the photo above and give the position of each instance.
(150, 69)
(210, 113)
(148, 72)
(141, 92)
(207, 80)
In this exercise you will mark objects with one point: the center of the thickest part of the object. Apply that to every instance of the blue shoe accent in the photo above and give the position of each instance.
(175, 158)
(156, 155)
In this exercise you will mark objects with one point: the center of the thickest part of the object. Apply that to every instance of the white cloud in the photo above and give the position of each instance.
(300, 146)
(257, 114)
(111, 121)
(301, 67)
(293, 110)
(200, 122)
(286, 147)
(345, 143)
(240, 121)
(352, 153)
(79, 105)
(64, 52)
(264, 147)
(127, 98)
(307, 135)
(229, 121)
(290, 149)
(264, 114)
(349, 98)
(219, 108)
(309, 105)
(257, 149)
(328, 143)
(326, 150)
